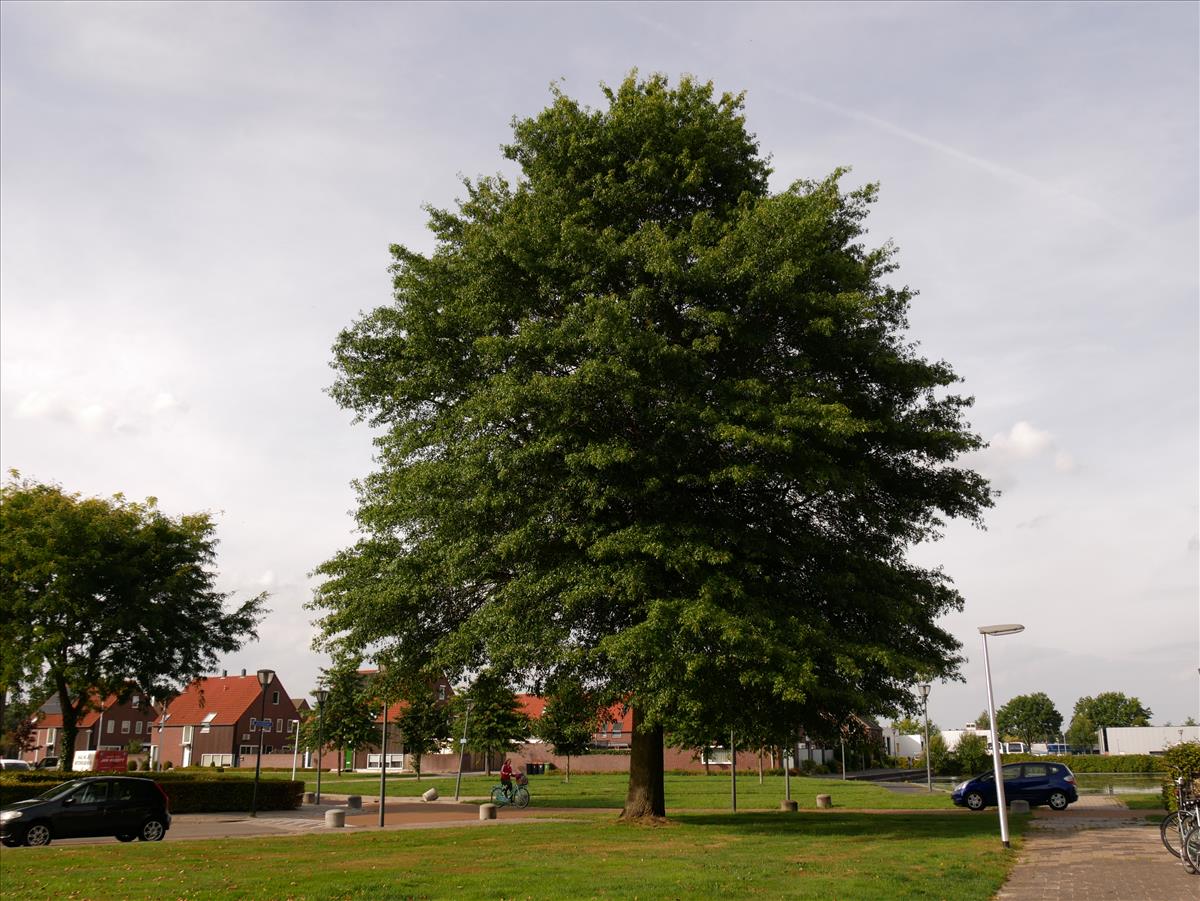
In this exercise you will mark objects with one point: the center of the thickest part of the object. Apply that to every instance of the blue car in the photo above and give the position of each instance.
(1052, 784)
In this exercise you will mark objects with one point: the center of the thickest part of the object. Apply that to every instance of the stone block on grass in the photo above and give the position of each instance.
(824, 802)
(487, 811)
(430, 795)
(354, 802)
(335, 819)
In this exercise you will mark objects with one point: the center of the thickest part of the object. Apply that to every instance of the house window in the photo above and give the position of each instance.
(124, 727)
(247, 750)
(51, 737)
(188, 732)
(206, 723)
(112, 725)
(136, 701)
(274, 697)
(279, 725)
(441, 692)
(137, 727)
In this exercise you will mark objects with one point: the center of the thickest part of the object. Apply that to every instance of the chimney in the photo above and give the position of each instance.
(243, 672)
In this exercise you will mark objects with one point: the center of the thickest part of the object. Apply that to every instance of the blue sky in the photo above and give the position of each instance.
(195, 198)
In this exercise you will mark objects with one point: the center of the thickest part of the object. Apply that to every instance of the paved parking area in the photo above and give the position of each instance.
(1096, 849)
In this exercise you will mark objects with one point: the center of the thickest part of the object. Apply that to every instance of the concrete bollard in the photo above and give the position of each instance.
(354, 802)
(310, 797)
(487, 811)
(1019, 807)
(335, 819)
(824, 802)
(430, 795)
(788, 805)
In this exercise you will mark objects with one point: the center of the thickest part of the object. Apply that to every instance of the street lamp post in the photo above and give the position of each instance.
(462, 750)
(924, 686)
(320, 694)
(264, 679)
(383, 746)
(1001, 802)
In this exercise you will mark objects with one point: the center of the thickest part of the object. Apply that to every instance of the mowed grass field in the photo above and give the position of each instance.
(829, 855)
(683, 792)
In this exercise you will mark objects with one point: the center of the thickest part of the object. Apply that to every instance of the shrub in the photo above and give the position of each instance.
(1182, 761)
(188, 792)
(972, 753)
(131, 766)
(168, 765)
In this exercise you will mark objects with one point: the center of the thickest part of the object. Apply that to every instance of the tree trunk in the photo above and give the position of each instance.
(70, 729)
(417, 765)
(760, 768)
(568, 768)
(704, 756)
(645, 800)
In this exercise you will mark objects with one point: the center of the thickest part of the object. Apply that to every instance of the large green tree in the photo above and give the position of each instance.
(1109, 708)
(424, 722)
(642, 418)
(347, 719)
(105, 594)
(1030, 718)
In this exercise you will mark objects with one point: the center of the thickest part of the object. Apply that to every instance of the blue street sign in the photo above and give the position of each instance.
(265, 725)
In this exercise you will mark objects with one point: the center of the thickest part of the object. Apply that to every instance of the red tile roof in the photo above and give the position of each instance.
(534, 706)
(229, 697)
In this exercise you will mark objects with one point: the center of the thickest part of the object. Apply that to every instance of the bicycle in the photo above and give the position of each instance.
(518, 796)
(1180, 829)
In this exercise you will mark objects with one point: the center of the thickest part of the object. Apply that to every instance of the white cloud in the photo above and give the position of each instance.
(1064, 462)
(1022, 442)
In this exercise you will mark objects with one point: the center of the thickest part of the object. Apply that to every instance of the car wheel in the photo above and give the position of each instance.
(10, 841)
(38, 834)
(1057, 801)
(153, 830)
(125, 836)
(975, 801)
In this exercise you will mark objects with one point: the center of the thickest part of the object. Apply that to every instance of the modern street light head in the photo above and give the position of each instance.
(265, 676)
(924, 687)
(1002, 629)
(320, 694)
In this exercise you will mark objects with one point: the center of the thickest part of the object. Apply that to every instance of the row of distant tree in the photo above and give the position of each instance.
(1034, 718)
(489, 711)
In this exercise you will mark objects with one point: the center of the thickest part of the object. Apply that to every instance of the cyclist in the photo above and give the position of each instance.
(506, 777)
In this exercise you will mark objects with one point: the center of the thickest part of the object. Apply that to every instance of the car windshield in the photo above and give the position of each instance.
(61, 789)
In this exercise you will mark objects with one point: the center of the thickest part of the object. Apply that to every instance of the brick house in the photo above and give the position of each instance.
(112, 725)
(398, 757)
(208, 724)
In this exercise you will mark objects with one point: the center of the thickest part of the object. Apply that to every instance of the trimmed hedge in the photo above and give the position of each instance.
(1096, 763)
(197, 791)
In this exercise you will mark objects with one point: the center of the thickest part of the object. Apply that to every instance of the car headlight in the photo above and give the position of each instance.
(6, 815)
(960, 786)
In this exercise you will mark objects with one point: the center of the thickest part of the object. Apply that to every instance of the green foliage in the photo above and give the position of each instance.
(641, 418)
(496, 722)
(425, 722)
(570, 718)
(971, 752)
(909, 726)
(1030, 718)
(1096, 763)
(108, 594)
(1110, 708)
(1181, 761)
(940, 758)
(348, 715)
(187, 791)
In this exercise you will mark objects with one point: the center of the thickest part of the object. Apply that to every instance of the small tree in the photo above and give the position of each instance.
(1030, 718)
(425, 722)
(971, 753)
(939, 753)
(1107, 709)
(496, 721)
(569, 721)
(349, 715)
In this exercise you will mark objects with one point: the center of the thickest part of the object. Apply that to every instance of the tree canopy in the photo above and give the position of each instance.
(1030, 718)
(641, 419)
(1109, 708)
(105, 595)
(496, 721)
(348, 715)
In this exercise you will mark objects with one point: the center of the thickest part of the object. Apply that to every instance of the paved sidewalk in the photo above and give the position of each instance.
(1096, 849)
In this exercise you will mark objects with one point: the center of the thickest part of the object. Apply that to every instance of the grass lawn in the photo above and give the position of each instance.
(1140, 801)
(767, 855)
(683, 792)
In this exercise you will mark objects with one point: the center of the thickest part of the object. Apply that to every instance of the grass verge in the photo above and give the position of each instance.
(683, 792)
(1140, 801)
(767, 855)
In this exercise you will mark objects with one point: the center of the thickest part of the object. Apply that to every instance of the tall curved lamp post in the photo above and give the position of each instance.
(383, 746)
(1001, 802)
(924, 686)
(321, 694)
(264, 679)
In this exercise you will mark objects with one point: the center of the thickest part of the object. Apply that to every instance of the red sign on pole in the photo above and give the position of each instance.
(111, 761)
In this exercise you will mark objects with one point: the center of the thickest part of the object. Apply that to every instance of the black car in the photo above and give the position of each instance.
(121, 806)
